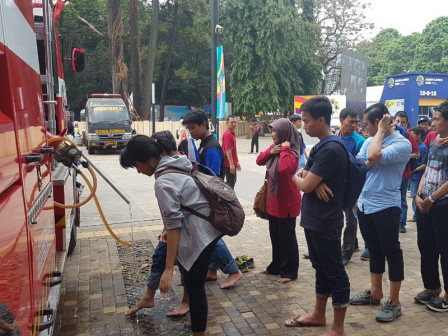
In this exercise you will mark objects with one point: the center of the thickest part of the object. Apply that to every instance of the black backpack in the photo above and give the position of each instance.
(226, 213)
(356, 173)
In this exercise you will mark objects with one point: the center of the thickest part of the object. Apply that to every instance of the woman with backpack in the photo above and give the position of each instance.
(190, 239)
(283, 199)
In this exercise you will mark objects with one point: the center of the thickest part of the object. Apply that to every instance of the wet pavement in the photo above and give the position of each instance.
(103, 280)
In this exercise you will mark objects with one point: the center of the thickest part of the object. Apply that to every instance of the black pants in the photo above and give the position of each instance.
(432, 240)
(254, 142)
(194, 281)
(324, 248)
(230, 178)
(349, 237)
(285, 250)
(380, 231)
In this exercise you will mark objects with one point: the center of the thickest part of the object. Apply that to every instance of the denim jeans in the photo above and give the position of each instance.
(158, 266)
(414, 188)
(222, 259)
(349, 236)
(302, 162)
(230, 178)
(324, 248)
(404, 203)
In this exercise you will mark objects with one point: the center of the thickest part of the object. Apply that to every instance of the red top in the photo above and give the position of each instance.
(415, 149)
(430, 137)
(229, 143)
(288, 199)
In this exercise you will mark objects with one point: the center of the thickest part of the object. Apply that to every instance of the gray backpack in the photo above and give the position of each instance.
(226, 213)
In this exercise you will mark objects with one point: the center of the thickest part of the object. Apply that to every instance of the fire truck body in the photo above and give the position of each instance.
(32, 102)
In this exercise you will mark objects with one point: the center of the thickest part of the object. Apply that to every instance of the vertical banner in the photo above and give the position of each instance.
(221, 85)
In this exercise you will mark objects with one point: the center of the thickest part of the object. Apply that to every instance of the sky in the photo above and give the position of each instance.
(407, 16)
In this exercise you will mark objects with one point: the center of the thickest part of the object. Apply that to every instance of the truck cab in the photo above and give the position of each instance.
(107, 122)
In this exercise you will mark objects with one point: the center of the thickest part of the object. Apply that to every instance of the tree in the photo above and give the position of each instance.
(149, 69)
(135, 54)
(341, 22)
(271, 52)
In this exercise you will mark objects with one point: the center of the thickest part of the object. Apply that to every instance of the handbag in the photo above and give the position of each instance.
(260, 201)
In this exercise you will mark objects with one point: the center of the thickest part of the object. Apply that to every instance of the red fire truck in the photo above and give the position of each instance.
(34, 235)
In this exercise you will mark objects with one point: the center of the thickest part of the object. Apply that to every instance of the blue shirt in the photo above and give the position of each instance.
(353, 143)
(213, 160)
(423, 150)
(382, 187)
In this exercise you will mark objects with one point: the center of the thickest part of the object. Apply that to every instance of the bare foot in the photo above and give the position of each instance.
(284, 280)
(144, 302)
(212, 275)
(333, 332)
(311, 320)
(232, 280)
(265, 271)
(180, 310)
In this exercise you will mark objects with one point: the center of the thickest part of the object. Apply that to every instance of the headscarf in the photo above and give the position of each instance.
(285, 131)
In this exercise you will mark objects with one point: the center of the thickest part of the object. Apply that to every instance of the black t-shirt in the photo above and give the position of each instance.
(330, 163)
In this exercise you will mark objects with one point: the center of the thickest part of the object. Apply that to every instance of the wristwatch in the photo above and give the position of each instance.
(419, 194)
(431, 199)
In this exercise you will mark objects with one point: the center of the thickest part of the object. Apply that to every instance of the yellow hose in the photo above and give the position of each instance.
(92, 194)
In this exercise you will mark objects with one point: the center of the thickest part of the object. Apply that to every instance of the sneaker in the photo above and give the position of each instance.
(81, 189)
(389, 312)
(438, 304)
(365, 255)
(364, 298)
(425, 296)
(402, 229)
(242, 265)
(249, 261)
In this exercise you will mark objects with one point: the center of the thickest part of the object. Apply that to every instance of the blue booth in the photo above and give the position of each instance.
(416, 93)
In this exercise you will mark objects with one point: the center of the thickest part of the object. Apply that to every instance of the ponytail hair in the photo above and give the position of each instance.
(141, 148)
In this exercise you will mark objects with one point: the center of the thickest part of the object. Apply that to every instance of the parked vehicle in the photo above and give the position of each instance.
(107, 122)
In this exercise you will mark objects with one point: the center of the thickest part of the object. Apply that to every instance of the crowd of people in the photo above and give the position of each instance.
(314, 186)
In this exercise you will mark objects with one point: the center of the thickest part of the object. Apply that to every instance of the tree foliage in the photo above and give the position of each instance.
(269, 54)
(341, 22)
(391, 53)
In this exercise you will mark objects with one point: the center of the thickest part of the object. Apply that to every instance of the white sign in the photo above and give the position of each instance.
(395, 105)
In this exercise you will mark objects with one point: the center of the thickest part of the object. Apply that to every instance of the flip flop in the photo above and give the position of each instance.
(294, 323)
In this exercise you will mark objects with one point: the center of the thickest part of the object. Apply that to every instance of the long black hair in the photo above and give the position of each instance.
(141, 148)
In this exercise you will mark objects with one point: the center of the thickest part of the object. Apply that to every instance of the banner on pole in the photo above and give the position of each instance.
(221, 85)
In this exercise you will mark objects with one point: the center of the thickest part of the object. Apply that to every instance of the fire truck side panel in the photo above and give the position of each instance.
(21, 101)
(15, 287)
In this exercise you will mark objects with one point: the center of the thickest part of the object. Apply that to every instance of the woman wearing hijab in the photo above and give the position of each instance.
(283, 198)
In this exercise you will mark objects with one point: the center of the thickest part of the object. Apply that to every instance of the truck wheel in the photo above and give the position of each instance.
(73, 238)
(91, 150)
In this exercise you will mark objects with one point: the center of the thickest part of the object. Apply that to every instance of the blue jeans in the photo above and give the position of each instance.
(222, 259)
(414, 188)
(158, 266)
(404, 203)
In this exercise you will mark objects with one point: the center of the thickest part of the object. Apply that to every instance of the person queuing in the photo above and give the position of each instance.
(401, 119)
(296, 120)
(283, 199)
(349, 119)
(386, 154)
(432, 209)
(193, 249)
(322, 182)
(418, 133)
(211, 155)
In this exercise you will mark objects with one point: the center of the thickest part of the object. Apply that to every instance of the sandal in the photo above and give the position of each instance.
(294, 323)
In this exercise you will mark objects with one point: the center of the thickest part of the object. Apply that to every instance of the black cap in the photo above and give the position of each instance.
(422, 120)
